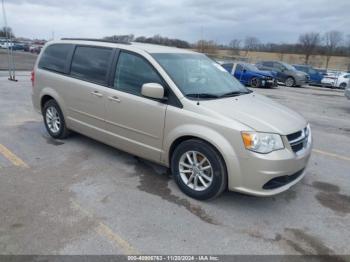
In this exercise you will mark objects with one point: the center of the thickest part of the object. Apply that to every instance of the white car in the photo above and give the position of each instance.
(5, 44)
(341, 81)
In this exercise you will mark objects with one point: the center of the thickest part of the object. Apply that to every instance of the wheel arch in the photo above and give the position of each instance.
(48, 94)
(224, 148)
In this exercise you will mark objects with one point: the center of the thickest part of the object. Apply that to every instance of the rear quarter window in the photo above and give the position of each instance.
(55, 58)
(91, 63)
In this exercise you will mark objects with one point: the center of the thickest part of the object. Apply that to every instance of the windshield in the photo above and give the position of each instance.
(288, 66)
(198, 76)
(250, 67)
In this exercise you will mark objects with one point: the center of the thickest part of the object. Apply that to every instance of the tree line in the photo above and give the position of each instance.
(331, 43)
(157, 39)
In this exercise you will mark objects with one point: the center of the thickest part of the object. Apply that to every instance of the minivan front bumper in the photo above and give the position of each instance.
(270, 174)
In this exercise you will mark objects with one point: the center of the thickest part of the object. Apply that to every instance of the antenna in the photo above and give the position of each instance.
(9, 45)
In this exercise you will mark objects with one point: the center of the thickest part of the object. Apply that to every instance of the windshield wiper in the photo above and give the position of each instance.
(235, 93)
(202, 95)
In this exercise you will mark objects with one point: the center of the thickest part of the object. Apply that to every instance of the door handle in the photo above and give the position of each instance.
(114, 98)
(96, 93)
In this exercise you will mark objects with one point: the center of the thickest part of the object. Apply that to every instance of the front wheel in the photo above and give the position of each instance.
(199, 169)
(255, 82)
(290, 82)
(342, 85)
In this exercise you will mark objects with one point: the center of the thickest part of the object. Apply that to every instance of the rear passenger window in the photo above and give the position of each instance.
(132, 72)
(55, 57)
(91, 63)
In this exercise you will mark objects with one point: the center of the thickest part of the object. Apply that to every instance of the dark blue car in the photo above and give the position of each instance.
(250, 75)
(315, 75)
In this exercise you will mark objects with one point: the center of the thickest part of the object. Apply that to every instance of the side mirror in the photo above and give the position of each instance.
(244, 70)
(153, 90)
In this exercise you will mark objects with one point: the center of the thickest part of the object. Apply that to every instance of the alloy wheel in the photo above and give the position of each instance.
(195, 170)
(53, 120)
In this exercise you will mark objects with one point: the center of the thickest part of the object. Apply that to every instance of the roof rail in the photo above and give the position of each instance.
(98, 40)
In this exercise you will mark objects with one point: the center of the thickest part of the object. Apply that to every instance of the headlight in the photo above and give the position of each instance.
(262, 142)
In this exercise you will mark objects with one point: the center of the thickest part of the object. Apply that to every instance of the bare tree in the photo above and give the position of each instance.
(235, 45)
(347, 46)
(308, 43)
(6, 32)
(251, 43)
(209, 47)
(332, 40)
(121, 38)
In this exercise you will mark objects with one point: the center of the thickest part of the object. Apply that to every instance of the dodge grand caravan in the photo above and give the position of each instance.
(174, 107)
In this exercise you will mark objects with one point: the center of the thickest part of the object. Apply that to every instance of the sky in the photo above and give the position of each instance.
(278, 21)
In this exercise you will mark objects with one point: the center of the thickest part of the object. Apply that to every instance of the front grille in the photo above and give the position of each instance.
(281, 180)
(298, 140)
(294, 136)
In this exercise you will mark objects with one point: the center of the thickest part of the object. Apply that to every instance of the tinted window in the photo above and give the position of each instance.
(91, 63)
(55, 57)
(132, 72)
(278, 66)
(228, 67)
(312, 71)
(239, 67)
(269, 64)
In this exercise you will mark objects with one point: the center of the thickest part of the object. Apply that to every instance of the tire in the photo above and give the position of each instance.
(57, 130)
(200, 150)
(342, 85)
(255, 82)
(290, 82)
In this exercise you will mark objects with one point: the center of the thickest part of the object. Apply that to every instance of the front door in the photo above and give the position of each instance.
(135, 123)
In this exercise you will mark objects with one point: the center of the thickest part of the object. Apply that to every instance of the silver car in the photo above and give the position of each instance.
(174, 107)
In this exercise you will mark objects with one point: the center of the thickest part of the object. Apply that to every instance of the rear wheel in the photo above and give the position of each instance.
(255, 82)
(290, 82)
(54, 120)
(199, 169)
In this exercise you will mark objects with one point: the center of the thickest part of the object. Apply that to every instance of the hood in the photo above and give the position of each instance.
(257, 112)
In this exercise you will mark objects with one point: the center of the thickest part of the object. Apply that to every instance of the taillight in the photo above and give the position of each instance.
(32, 78)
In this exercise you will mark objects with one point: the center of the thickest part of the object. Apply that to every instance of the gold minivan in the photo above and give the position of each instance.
(174, 107)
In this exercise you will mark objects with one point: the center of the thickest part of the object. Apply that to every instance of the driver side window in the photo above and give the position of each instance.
(278, 67)
(132, 72)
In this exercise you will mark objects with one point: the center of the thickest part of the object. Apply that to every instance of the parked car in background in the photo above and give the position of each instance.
(17, 46)
(323, 72)
(6, 44)
(35, 49)
(314, 75)
(337, 81)
(285, 73)
(250, 75)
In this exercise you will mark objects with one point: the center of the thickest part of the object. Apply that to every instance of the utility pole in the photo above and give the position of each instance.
(9, 45)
